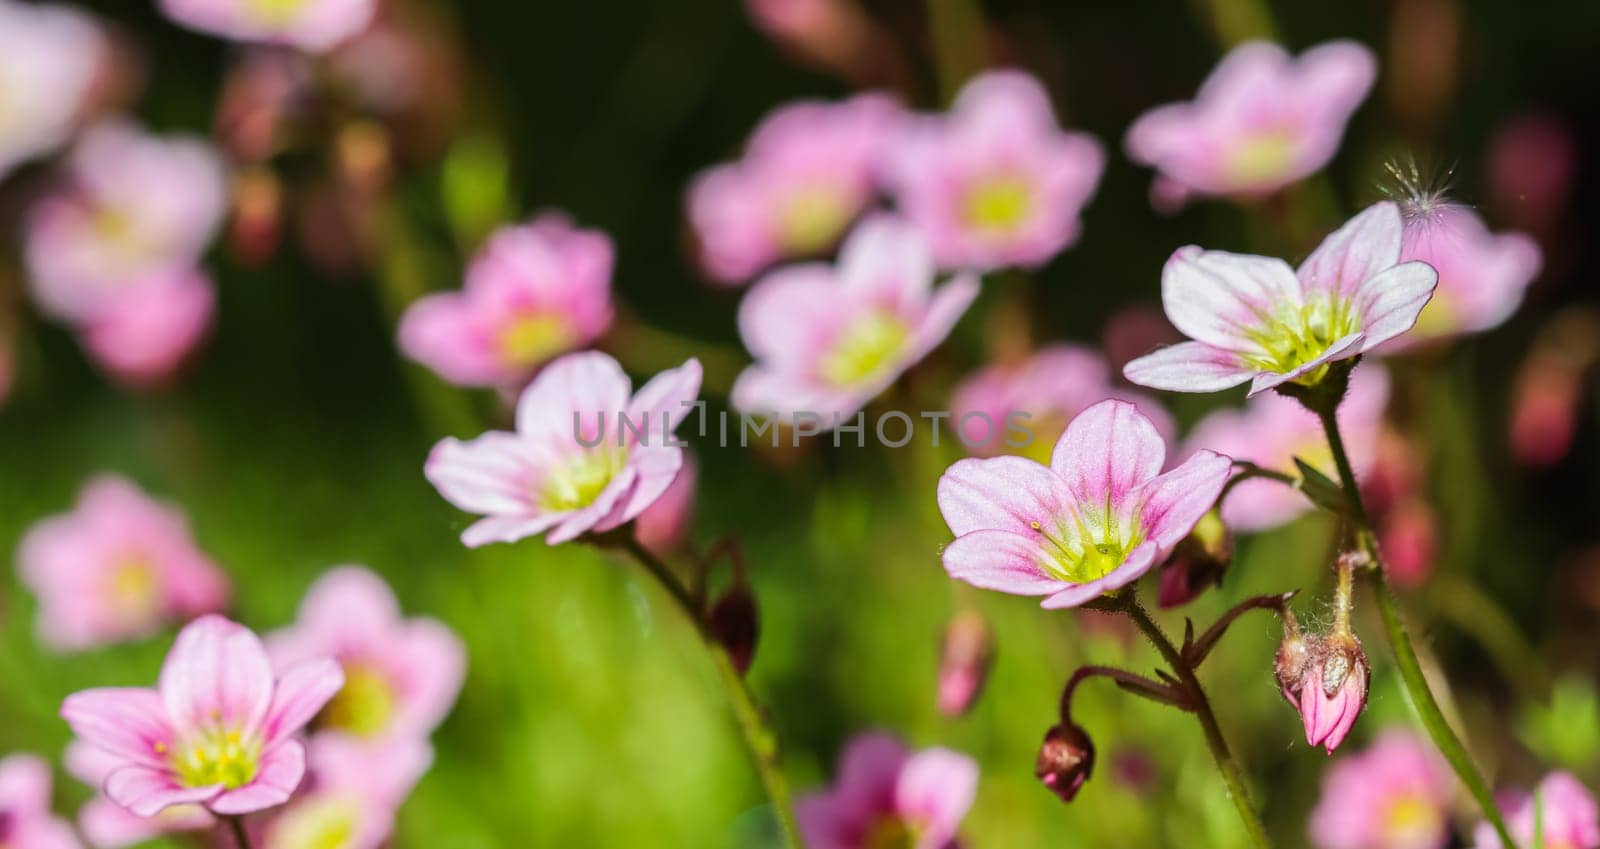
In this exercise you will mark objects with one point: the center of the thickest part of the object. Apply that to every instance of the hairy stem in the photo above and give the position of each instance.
(1405, 655)
(759, 737)
(1232, 775)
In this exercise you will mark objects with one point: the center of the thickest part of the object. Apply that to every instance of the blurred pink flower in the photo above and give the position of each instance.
(312, 25)
(570, 467)
(25, 818)
(1255, 319)
(996, 182)
(351, 795)
(1409, 535)
(1532, 161)
(1271, 431)
(119, 566)
(1395, 794)
(828, 339)
(533, 292)
(1571, 819)
(105, 824)
(1093, 521)
(134, 206)
(1052, 386)
(808, 171)
(401, 676)
(48, 58)
(218, 731)
(1261, 121)
(146, 328)
(1482, 275)
(887, 796)
(664, 525)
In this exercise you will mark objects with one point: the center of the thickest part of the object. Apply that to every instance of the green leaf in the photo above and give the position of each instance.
(1321, 489)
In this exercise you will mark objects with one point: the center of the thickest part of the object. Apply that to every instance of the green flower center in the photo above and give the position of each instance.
(530, 340)
(581, 481)
(889, 832)
(1298, 335)
(316, 823)
(811, 219)
(1263, 158)
(275, 12)
(364, 705)
(1086, 551)
(998, 206)
(217, 756)
(867, 350)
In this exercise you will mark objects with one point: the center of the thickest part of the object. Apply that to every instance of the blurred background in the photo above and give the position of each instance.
(590, 717)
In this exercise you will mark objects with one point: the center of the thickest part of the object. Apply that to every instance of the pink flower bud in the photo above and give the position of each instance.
(1197, 563)
(1410, 542)
(1333, 691)
(964, 662)
(1066, 760)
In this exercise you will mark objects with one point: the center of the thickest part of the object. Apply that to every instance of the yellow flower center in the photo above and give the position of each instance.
(812, 218)
(1090, 548)
(275, 12)
(1297, 335)
(889, 832)
(1263, 158)
(132, 590)
(1439, 318)
(1410, 820)
(998, 206)
(533, 339)
(581, 481)
(217, 755)
(867, 350)
(364, 705)
(316, 823)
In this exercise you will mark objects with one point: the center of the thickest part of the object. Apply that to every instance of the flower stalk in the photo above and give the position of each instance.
(241, 837)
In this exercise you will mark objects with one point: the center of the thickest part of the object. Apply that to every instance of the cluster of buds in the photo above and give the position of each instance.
(1325, 678)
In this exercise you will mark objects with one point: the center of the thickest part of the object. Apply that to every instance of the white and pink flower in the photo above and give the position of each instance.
(25, 818)
(107, 825)
(312, 25)
(828, 339)
(48, 58)
(573, 465)
(1482, 275)
(352, 794)
(118, 567)
(885, 795)
(996, 182)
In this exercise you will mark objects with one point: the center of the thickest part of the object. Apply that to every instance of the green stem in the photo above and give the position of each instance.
(759, 737)
(1232, 775)
(240, 836)
(1405, 655)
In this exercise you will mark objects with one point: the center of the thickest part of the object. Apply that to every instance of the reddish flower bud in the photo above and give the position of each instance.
(735, 623)
(1198, 562)
(964, 661)
(1294, 655)
(1333, 691)
(1066, 760)
(1410, 542)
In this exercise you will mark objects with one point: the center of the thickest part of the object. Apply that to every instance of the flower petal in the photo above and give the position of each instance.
(299, 694)
(944, 309)
(282, 767)
(487, 475)
(128, 722)
(508, 528)
(1391, 301)
(1220, 298)
(661, 404)
(24, 784)
(935, 789)
(145, 791)
(217, 672)
(1366, 246)
(1134, 566)
(1175, 501)
(887, 259)
(588, 383)
(1188, 367)
(787, 313)
(1000, 560)
(1107, 452)
(1000, 493)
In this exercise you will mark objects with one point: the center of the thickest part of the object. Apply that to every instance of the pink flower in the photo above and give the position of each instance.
(351, 796)
(1093, 521)
(1255, 319)
(1531, 162)
(664, 525)
(105, 824)
(808, 171)
(886, 796)
(1052, 386)
(401, 675)
(48, 57)
(312, 25)
(118, 567)
(829, 339)
(25, 818)
(1482, 275)
(534, 291)
(218, 731)
(134, 206)
(1393, 795)
(1271, 431)
(1260, 122)
(146, 328)
(997, 182)
(566, 470)
(1571, 819)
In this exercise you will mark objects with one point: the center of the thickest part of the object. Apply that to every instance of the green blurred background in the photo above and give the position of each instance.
(590, 716)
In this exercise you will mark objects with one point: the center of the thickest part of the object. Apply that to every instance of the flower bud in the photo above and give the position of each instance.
(1197, 562)
(1294, 655)
(964, 662)
(1066, 760)
(735, 623)
(1333, 691)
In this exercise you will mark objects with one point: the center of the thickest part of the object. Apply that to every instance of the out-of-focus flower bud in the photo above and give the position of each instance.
(1134, 769)
(1549, 386)
(735, 623)
(964, 662)
(1133, 332)
(1066, 760)
(1532, 160)
(1410, 539)
(257, 215)
(1197, 562)
(260, 95)
(831, 35)
(1333, 691)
